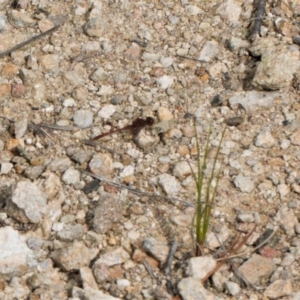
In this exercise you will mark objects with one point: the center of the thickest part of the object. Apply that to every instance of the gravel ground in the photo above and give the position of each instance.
(99, 66)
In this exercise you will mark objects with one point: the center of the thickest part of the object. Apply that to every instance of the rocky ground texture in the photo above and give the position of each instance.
(64, 233)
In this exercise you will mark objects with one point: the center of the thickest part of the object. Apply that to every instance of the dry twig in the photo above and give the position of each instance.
(135, 191)
(234, 248)
(34, 38)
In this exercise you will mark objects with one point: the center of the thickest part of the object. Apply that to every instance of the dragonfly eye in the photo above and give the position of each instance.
(150, 121)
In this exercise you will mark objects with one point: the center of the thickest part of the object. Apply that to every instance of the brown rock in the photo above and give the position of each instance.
(18, 90)
(183, 150)
(256, 268)
(132, 53)
(9, 70)
(12, 143)
(4, 90)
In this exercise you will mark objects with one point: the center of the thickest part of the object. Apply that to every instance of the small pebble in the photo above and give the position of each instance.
(107, 111)
(165, 81)
(83, 118)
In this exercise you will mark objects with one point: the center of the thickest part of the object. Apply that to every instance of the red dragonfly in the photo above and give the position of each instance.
(136, 126)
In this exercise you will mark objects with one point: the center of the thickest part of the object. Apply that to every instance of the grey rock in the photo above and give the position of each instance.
(244, 183)
(15, 257)
(6, 167)
(115, 257)
(145, 140)
(218, 281)
(192, 289)
(287, 220)
(59, 164)
(150, 56)
(105, 90)
(20, 127)
(183, 169)
(120, 77)
(80, 156)
(71, 176)
(34, 172)
(232, 288)
(75, 78)
(101, 164)
(50, 64)
(96, 27)
(100, 75)
(101, 272)
(19, 19)
(70, 232)
(230, 11)
(83, 118)
(29, 77)
(278, 289)
(288, 260)
(169, 184)
(173, 19)
(123, 284)
(235, 43)
(108, 212)
(253, 100)
(245, 218)
(28, 203)
(52, 186)
(277, 68)
(256, 269)
(107, 111)
(165, 81)
(117, 99)
(209, 51)
(87, 278)
(265, 139)
(214, 239)
(3, 20)
(158, 249)
(166, 61)
(199, 267)
(72, 258)
(193, 10)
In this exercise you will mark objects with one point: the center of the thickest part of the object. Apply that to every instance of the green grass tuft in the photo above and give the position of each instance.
(206, 193)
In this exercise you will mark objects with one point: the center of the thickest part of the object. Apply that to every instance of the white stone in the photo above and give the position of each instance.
(265, 139)
(107, 111)
(15, 257)
(165, 81)
(69, 102)
(128, 171)
(209, 51)
(245, 184)
(192, 10)
(169, 184)
(199, 267)
(166, 61)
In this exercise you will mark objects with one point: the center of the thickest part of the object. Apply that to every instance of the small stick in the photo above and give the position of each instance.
(134, 191)
(190, 58)
(18, 46)
(149, 269)
(170, 258)
(235, 247)
(253, 250)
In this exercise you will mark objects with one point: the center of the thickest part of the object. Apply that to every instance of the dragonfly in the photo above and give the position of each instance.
(136, 126)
